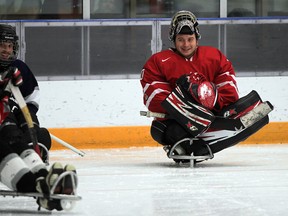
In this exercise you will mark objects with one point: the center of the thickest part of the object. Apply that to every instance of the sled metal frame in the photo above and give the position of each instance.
(192, 158)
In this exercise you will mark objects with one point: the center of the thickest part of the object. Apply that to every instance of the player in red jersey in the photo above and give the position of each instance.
(192, 84)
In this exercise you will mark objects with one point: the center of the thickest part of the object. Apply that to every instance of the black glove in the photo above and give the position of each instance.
(184, 82)
(204, 92)
(17, 79)
(12, 74)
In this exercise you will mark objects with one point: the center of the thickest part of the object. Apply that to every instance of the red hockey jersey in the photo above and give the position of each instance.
(160, 72)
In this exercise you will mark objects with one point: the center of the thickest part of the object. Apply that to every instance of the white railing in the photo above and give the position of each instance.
(156, 24)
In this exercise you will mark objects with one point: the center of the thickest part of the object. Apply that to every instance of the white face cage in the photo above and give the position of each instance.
(180, 19)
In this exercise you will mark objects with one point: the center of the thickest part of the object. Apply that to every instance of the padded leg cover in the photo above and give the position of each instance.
(242, 106)
(167, 132)
(219, 139)
(182, 107)
(14, 173)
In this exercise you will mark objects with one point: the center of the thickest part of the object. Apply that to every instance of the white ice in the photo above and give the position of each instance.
(248, 180)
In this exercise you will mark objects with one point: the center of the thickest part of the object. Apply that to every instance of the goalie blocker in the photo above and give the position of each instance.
(208, 133)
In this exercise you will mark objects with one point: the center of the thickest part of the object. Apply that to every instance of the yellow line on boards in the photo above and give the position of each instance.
(139, 136)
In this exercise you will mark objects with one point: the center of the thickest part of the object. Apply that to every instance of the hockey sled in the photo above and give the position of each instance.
(39, 195)
(237, 122)
(67, 200)
(193, 159)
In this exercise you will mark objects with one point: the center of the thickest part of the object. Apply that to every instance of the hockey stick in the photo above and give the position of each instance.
(245, 121)
(19, 98)
(26, 113)
(67, 145)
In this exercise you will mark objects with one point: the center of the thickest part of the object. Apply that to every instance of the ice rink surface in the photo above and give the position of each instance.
(248, 180)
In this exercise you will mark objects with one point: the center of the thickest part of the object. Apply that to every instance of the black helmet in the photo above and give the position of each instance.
(183, 19)
(8, 34)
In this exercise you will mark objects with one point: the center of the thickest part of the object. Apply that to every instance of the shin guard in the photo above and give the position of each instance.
(32, 160)
(12, 170)
(219, 138)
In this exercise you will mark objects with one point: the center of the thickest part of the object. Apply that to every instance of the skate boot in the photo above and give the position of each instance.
(69, 183)
(50, 185)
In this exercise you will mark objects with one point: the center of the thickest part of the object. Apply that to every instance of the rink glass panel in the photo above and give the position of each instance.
(112, 9)
(121, 51)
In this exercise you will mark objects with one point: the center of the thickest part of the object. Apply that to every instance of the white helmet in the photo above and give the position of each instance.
(181, 19)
